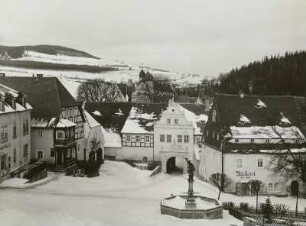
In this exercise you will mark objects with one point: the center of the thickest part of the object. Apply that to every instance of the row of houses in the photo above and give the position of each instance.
(237, 135)
(240, 136)
(42, 121)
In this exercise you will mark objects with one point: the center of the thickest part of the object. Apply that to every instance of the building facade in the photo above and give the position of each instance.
(15, 142)
(173, 139)
(247, 136)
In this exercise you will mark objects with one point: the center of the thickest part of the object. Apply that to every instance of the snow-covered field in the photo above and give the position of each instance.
(121, 195)
(123, 74)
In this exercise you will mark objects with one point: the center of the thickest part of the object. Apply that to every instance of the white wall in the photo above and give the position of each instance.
(135, 153)
(44, 143)
(7, 148)
(210, 162)
(166, 150)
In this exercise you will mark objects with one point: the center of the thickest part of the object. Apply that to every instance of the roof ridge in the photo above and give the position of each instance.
(248, 95)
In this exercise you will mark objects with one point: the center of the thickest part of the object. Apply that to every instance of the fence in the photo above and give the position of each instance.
(278, 219)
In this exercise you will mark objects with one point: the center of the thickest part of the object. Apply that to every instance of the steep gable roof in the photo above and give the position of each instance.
(46, 95)
(259, 110)
(124, 117)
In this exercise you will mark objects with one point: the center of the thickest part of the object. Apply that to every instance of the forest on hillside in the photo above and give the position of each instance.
(17, 51)
(275, 75)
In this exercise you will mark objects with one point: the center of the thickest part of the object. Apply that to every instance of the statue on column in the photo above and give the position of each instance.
(191, 170)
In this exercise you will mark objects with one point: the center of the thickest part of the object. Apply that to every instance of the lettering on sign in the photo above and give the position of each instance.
(245, 174)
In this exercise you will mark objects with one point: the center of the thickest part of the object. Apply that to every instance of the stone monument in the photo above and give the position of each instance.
(191, 206)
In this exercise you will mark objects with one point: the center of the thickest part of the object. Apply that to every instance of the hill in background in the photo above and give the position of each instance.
(17, 51)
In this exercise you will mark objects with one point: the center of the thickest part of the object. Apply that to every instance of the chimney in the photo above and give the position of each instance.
(21, 99)
(241, 94)
(10, 100)
(250, 87)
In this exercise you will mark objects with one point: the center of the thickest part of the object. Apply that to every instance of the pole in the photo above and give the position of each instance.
(222, 167)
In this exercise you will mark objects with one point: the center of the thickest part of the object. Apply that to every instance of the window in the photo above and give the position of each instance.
(3, 162)
(267, 141)
(186, 138)
(168, 121)
(239, 163)
(169, 138)
(252, 140)
(15, 131)
(14, 155)
(40, 154)
(237, 140)
(39, 133)
(176, 121)
(179, 138)
(276, 186)
(52, 152)
(270, 186)
(260, 162)
(137, 138)
(147, 139)
(60, 135)
(4, 134)
(25, 126)
(162, 138)
(79, 147)
(128, 137)
(25, 151)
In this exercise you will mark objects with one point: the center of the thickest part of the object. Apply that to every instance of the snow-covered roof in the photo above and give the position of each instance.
(90, 120)
(64, 123)
(260, 104)
(197, 121)
(18, 107)
(112, 139)
(268, 151)
(266, 132)
(139, 121)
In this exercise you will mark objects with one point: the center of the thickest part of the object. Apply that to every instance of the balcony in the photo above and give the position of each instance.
(64, 142)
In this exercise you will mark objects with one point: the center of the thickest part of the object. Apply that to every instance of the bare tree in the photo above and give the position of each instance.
(217, 180)
(288, 162)
(256, 186)
(98, 91)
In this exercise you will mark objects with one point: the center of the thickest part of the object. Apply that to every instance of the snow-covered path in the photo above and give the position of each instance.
(121, 195)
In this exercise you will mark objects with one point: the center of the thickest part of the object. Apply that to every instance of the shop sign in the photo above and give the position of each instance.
(245, 174)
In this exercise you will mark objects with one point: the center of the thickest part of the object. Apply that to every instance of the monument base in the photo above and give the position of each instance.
(190, 204)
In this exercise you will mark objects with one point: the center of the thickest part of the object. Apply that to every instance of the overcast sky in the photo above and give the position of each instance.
(195, 36)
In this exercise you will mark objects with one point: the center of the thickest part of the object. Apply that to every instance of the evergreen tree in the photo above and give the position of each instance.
(267, 210)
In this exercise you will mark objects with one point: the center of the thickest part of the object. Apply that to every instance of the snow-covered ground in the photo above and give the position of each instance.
(121, 195)
(123, 74)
